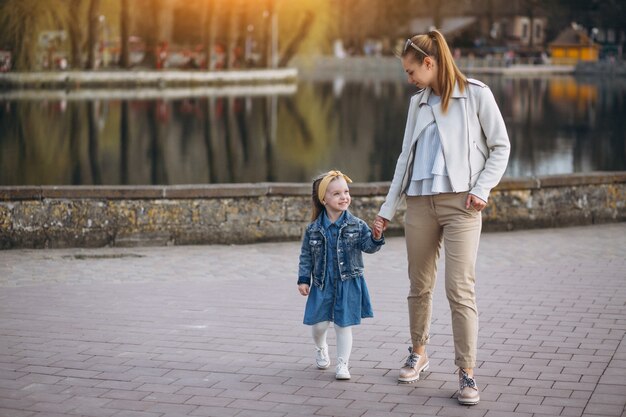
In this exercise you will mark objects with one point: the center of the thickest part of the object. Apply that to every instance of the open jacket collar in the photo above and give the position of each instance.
(456, 93)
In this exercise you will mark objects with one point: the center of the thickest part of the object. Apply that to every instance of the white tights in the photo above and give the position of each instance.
(344, 338)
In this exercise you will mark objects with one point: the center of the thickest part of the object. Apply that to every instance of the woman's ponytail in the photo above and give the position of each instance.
(449, 74)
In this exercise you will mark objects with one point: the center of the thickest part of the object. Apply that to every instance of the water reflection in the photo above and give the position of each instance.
(563, 125)
(556, 125)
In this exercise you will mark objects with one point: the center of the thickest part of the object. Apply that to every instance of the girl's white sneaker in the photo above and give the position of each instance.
(322, 360)
(342, 369)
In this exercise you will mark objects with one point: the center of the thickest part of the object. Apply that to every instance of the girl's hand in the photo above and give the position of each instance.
(377, 231)
(475, 202)
(304, 289)
(376, 234)
(380, 225)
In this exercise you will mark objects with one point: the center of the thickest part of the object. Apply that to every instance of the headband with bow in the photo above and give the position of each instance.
(330, 175)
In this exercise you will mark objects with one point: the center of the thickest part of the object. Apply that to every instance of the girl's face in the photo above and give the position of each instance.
(420, 75)
(337, 198)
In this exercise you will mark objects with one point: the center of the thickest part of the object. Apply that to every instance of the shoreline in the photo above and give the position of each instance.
(150, 93)
(137, 79)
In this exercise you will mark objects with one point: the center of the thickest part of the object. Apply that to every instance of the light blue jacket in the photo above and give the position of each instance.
(355, 237)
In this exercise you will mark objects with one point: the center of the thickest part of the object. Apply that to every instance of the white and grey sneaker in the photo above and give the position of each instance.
(414, 365)
(342, 369)
(322, 360)
(468, 389)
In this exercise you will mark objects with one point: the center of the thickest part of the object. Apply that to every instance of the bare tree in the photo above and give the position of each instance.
(294, 44)
(266, 37)
(124, 34)
(149, 29)
(75, 35)
(93, 35)
(208, 30)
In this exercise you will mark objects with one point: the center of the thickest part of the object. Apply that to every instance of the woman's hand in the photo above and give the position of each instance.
(475, 202)
(304, 289)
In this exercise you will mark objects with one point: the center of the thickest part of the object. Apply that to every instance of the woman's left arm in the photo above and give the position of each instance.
(497, 139)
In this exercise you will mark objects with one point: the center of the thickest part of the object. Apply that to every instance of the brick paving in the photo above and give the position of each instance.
(216, 331)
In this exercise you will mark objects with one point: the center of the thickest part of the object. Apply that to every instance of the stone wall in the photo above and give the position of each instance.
(83, 216)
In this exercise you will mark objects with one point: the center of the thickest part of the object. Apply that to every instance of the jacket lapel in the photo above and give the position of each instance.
(453, 129)
(424, 116)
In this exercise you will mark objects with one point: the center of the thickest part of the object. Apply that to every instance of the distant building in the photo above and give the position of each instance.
(524, 32)
(573, 45)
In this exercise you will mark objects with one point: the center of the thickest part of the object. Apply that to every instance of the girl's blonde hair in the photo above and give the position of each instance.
(434, 45)
(318, 207)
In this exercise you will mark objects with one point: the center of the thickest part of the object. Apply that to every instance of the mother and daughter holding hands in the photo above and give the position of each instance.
(455, 150)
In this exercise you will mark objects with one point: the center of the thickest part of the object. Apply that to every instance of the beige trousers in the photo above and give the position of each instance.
(428, 221)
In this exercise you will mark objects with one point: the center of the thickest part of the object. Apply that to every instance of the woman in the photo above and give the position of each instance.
(455, 150)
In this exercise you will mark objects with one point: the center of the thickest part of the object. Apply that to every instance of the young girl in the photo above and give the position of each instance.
(331, 269)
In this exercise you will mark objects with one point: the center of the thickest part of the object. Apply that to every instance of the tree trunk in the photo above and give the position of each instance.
(241, 36)
(228, 30)
(266, 34)
(124, 34)
(208, 32)
(437, 15)
(151, 35)
(94, 26)
(75, 35)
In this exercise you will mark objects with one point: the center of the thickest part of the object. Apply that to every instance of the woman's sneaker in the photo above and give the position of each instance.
(468, 390)
(342, 369)
(414, 365)
(322, 360)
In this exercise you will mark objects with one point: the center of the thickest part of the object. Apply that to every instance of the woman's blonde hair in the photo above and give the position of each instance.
(434, 45)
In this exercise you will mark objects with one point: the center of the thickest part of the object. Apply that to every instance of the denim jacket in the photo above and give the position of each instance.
(354, 238)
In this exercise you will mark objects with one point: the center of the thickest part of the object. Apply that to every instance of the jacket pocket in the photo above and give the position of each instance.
(478, 157)
(315, 245)
(483, 152)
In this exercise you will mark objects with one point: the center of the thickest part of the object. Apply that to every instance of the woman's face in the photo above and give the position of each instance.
(421, 75)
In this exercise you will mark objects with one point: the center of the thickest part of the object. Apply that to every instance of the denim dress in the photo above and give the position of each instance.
(344, 302)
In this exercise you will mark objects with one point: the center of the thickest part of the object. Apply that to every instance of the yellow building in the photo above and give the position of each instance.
(571, 46)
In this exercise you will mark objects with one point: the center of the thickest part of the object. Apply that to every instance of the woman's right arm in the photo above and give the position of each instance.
(394, 195)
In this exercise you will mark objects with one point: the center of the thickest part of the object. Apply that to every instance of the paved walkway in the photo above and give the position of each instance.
(216, 331)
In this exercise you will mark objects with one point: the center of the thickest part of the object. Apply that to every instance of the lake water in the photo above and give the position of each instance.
(557, 125)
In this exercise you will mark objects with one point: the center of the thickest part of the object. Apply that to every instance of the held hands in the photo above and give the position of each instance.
(304, 289)
(379, 226)
(475, 202)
